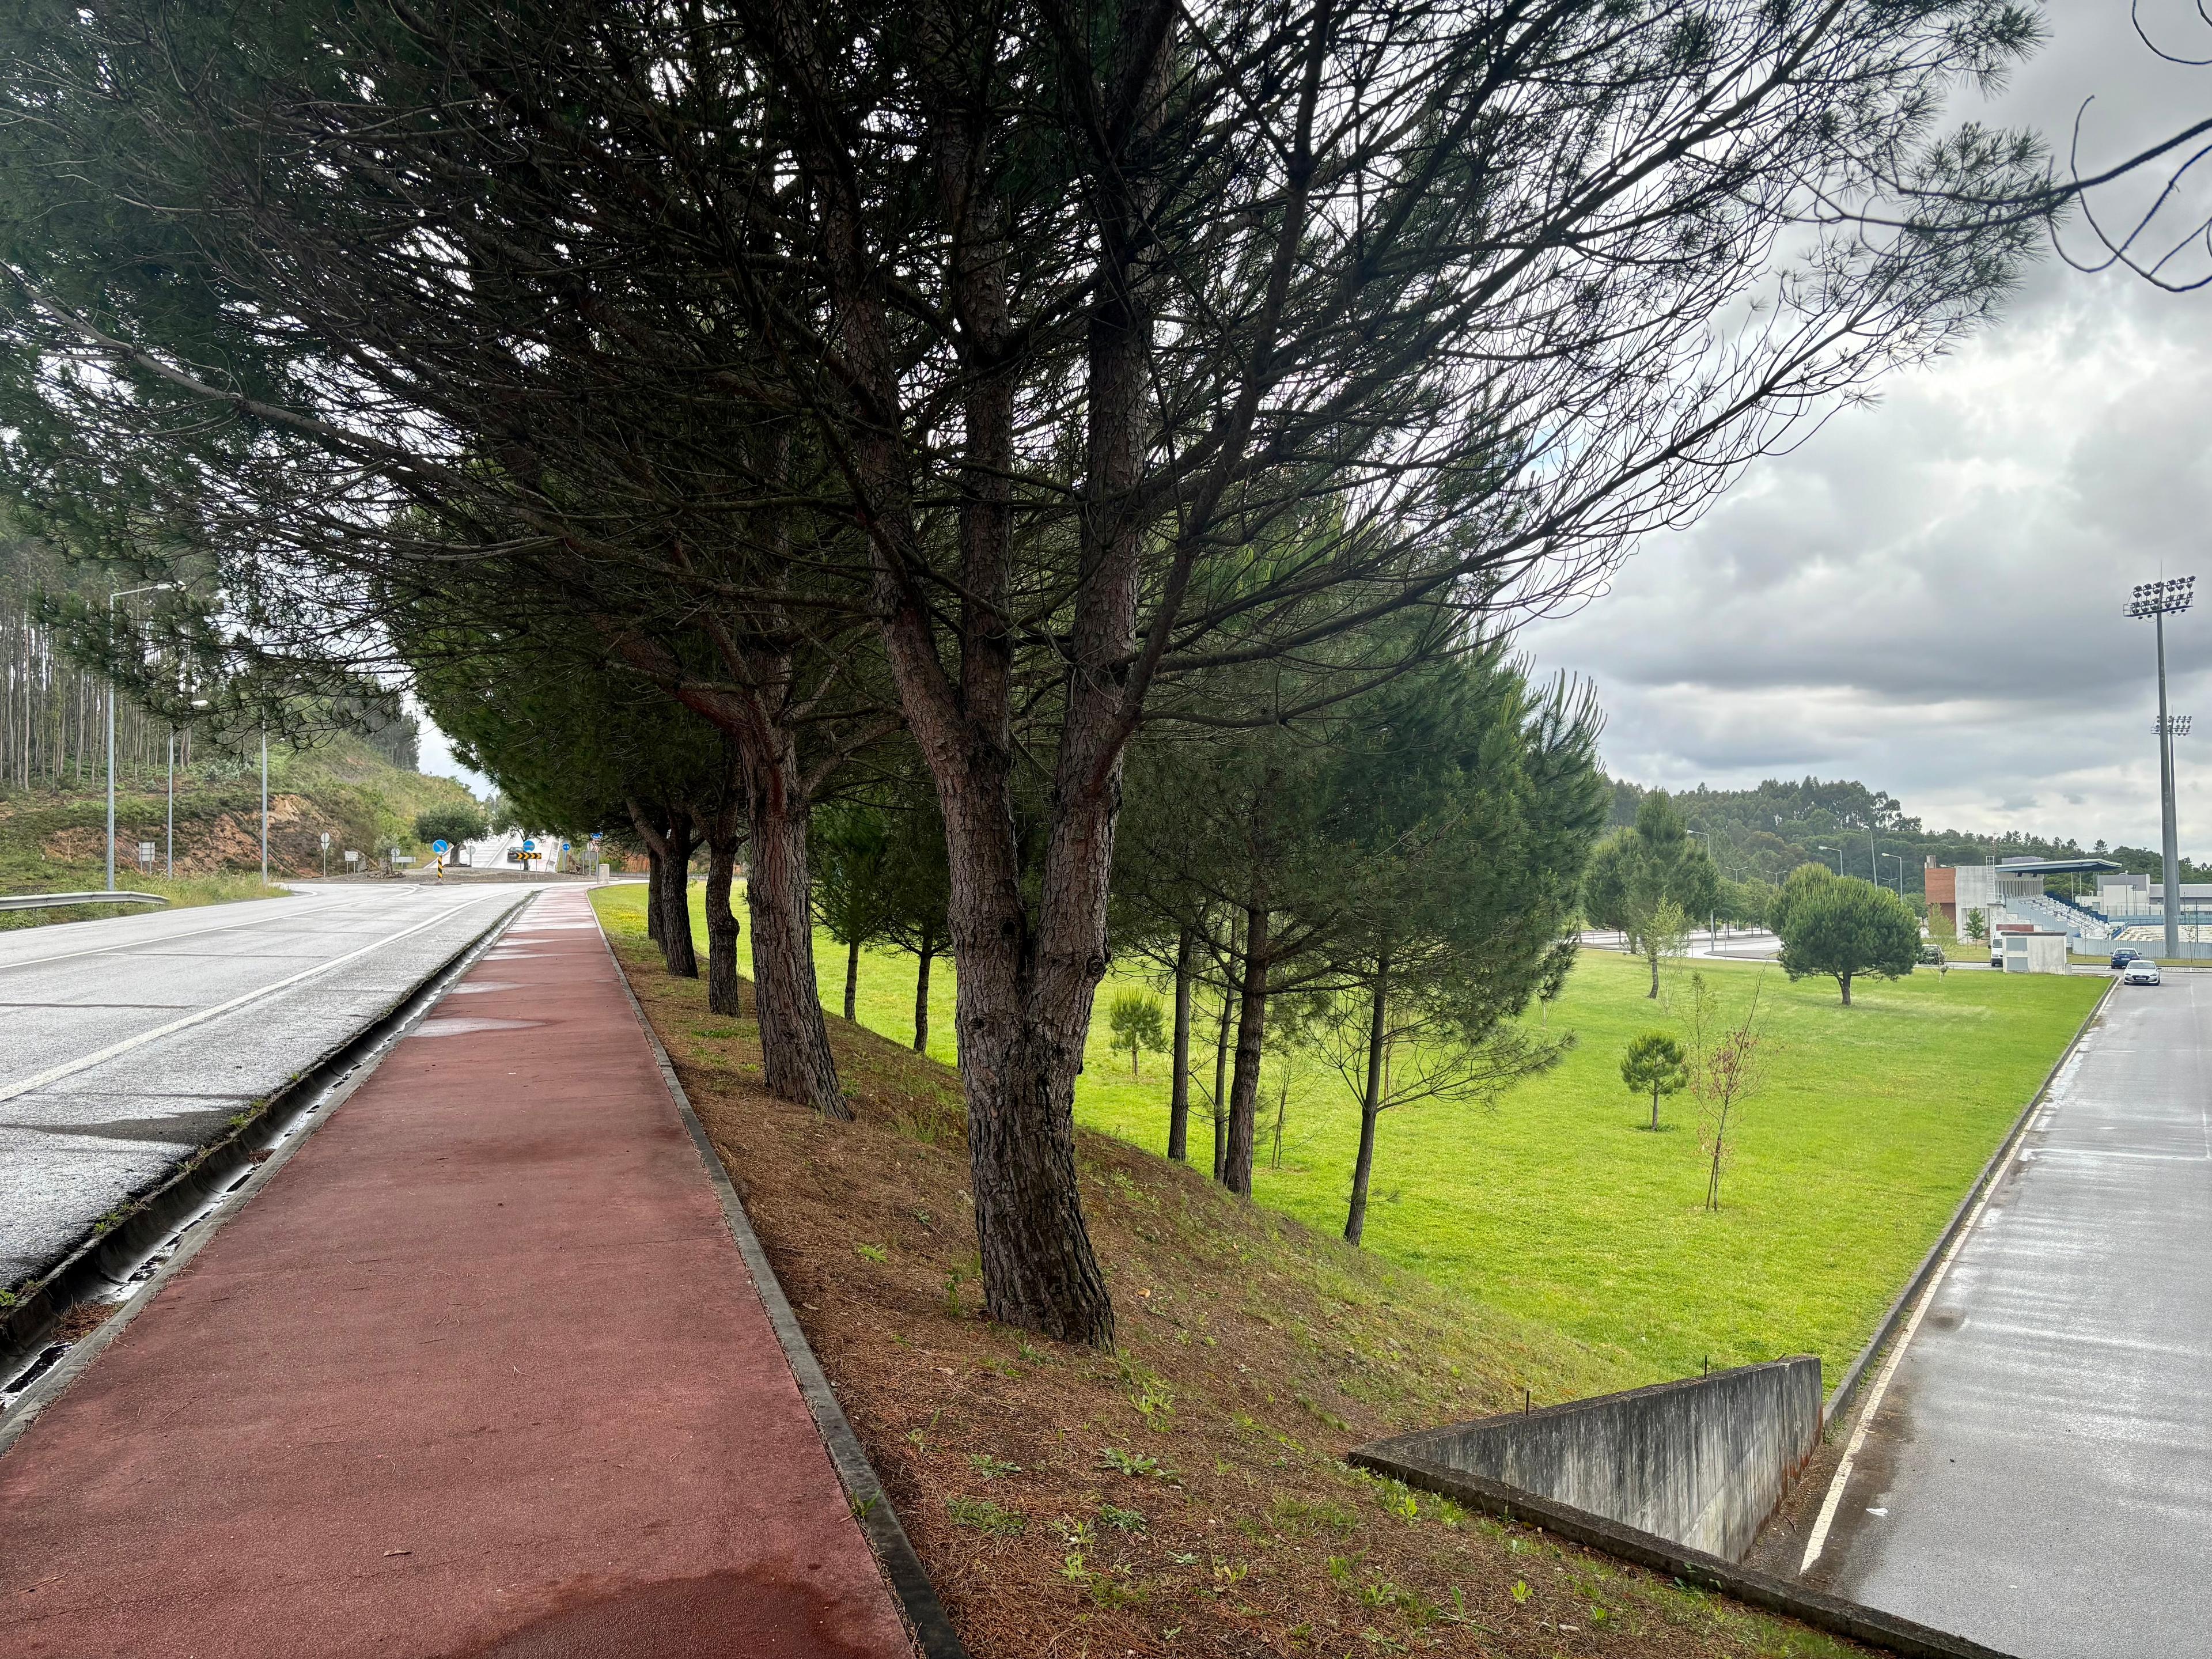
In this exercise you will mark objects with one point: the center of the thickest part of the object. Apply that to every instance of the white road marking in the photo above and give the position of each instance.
(1819, 1540)
(254, 921)
(68, 1069)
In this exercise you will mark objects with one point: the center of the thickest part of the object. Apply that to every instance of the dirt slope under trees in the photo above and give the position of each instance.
(1185, 1495)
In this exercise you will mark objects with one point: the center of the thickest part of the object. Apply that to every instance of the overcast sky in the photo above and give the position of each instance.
(1927, 597)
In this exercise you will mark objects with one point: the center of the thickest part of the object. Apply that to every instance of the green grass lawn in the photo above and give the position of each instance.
(1556, 1206)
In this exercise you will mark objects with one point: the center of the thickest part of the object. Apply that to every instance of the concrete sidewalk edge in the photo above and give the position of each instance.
(871, 1507)
(372, 1041)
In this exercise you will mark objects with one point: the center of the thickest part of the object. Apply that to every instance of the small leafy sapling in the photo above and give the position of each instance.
(1727, 1067)
(1654, 1064)
(1134, 1018)
(1977, 926)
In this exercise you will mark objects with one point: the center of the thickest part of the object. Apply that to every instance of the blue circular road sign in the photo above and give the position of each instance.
(442, 847)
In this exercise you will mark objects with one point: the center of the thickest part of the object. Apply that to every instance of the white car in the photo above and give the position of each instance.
(2141, 971)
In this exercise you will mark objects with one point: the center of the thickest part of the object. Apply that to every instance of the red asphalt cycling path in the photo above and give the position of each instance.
(479, 1371)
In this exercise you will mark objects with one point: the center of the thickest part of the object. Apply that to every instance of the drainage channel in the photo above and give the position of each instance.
(83, 1295)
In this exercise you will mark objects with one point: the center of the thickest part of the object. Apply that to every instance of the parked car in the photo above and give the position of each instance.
(2124, 956)
(1996, 956)
(2141, 971)
(1930, 955)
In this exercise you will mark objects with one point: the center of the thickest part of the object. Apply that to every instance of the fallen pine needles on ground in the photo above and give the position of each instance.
(1186, 1494)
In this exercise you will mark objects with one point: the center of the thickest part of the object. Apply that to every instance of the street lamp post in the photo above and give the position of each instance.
(124, 594)
(264, 805)
(1712, 918)
(2158, 601)
(1897, 858)
(1837, 851)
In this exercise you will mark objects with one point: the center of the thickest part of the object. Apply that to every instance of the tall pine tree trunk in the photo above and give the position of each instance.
(1179, 1092)
(677, 943)
(852, 978)
(796, 1061)
(1220, 1101)
(1251, 1032)
(1028, 967)
(929, 954)
(722, 933)
(1370, 1103)
(667, 835)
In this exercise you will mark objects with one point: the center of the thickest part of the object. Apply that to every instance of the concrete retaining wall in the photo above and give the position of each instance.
(1702, 1462)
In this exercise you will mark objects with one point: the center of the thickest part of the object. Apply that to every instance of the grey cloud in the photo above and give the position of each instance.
(1928, 594)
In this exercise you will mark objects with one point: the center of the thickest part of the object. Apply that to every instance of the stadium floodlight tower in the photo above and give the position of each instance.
(2158, 601)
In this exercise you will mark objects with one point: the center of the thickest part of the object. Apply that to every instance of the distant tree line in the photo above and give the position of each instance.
(1761, 834)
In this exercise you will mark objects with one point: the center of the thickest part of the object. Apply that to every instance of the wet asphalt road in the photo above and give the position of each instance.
(99, 1096)
(2039, 1476)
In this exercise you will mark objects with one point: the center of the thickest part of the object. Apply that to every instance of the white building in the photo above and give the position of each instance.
(2033, 953)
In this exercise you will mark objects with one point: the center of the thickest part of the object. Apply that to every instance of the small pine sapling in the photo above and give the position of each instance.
(1134, 1018)
(1654, 1064)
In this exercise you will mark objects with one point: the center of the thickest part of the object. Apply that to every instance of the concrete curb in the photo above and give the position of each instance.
(193, 1203)
(932, 1630)
(1861, 1624)
(1706, 1458)
(1847, 1387)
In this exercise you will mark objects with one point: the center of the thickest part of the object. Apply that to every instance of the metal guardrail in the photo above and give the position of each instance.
(55, 900)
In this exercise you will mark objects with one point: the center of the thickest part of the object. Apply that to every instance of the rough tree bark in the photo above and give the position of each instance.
(1370, 1105)
(667, 833)
(676, 940)
(1251, 1032)
(852, 978)
(796, 1061)
(1179, 1092)
(1027, 974)
(1221, 1083)
(928, 955)
(721, 832)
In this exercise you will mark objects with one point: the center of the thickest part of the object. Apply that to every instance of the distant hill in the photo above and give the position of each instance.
(55, 838)
(1763, 834)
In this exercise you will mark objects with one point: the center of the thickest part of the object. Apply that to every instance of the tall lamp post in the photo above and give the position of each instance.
(124, 594)
(1712, 921)
(2168, 727)
(2158, 601)
(1897, 858)
(1837, 851)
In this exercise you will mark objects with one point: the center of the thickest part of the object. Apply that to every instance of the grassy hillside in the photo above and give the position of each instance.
(1554, 1205)
(1185, 1494)
(50, 842)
